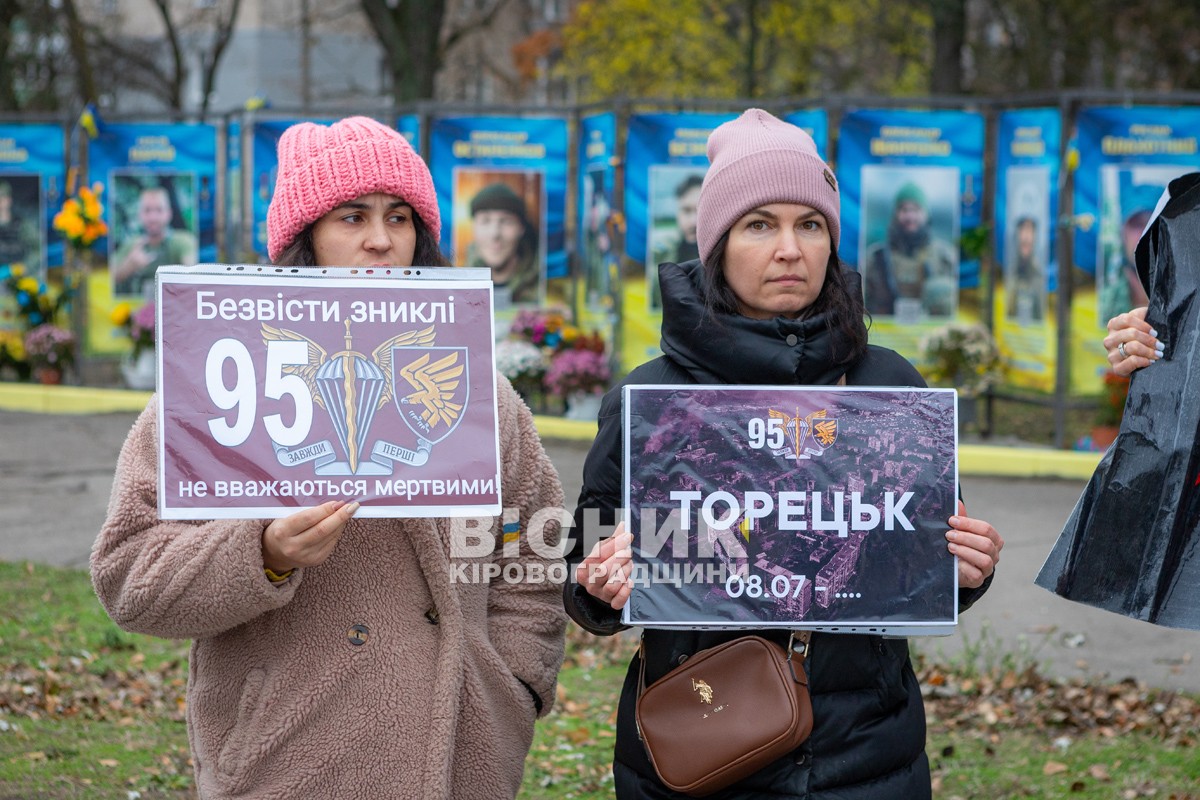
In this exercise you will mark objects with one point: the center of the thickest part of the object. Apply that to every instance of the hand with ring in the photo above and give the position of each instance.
(1131, 342)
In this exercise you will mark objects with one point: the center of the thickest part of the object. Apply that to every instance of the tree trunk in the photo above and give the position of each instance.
(949, 35)
(410, 33)
(751, 47)
(8, 91)
(79, 52)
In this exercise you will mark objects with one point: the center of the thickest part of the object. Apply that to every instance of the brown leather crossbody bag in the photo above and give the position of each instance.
(725, 713)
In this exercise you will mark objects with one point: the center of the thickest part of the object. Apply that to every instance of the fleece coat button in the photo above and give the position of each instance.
(432, 616)
(792, 339)
(358, 635)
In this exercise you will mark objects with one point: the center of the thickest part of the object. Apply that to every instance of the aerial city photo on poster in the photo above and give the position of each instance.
(791, 506)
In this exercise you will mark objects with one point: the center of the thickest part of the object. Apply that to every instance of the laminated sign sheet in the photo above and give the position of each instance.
(281, 389)
(823, 508)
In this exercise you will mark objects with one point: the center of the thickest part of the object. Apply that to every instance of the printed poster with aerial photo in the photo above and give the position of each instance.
(280, 392)
(822, 508)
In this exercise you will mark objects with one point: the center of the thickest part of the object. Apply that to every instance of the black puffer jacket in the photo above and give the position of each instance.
(868, 738)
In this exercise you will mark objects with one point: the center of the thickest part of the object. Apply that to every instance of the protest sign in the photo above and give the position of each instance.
(822, 508)
(283, 388)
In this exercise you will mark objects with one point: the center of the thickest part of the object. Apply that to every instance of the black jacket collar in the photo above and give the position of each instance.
(735, 349)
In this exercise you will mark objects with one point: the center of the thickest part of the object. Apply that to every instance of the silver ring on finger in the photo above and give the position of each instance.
(1121, 350)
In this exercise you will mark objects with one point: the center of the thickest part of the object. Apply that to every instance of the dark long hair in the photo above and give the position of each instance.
(842, 307)
(301, 253)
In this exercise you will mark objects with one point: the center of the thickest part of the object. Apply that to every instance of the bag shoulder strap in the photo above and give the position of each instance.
(797, 650)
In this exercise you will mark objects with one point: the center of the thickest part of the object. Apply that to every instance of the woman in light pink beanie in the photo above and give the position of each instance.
(321, 168)
(769, 304)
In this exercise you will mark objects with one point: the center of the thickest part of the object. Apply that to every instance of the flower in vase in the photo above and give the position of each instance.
(139, 325)
(581, 371)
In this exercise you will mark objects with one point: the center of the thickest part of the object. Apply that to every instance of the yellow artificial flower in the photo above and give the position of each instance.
(120, 314)
(91, 206)
(11, 342)
(28, 284)
(70, 224)
(18, 270)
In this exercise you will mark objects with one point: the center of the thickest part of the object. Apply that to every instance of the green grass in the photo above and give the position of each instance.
(88, 711)
(1026, 763)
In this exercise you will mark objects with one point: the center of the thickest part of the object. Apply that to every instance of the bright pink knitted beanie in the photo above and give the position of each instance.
(758, 159)
(321, 167)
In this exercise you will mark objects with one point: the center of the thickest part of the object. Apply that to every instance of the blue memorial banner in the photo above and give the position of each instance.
(31, 193)
(160, 205)
(264, 161)
(502, 190)
(1027, 169)
(409, 126)
(665, 155)
(814, 122)
(1127, 156)
(912, 187)
(598, 258)
(665, 162)
(235, 230)
(811, 507)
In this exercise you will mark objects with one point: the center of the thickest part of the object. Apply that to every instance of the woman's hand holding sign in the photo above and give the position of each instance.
(605, 572)
(977, 545)
(306, 538)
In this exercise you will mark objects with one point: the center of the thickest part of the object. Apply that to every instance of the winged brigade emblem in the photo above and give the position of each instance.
(825, 431)
(348, 384)
(433, 401)
(809, 435)
(435, 384)
(796, 428)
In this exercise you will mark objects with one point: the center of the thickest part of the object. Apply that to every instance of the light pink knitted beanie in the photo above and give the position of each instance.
(321, 167)
(759, 159)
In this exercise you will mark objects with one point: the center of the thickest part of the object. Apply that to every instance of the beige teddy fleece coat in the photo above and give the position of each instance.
(285, 699)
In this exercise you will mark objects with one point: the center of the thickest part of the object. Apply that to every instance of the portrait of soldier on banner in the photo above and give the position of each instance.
(598, 256)
(498, 225)
(21, 214)
(154, 224)
(671, 229)
(910, 234)
(1027, 244)
(1127, 199)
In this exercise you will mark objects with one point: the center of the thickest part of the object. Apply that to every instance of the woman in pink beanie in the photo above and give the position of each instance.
(355, 165)
(336, 657)
(768, 303)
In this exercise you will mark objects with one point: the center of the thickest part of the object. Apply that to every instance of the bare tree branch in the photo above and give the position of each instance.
(175, 81)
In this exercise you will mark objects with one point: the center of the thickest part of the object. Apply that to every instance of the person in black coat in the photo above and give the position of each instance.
(768, 303)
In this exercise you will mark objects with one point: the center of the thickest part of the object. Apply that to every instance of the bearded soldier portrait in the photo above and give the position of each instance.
(912, 273)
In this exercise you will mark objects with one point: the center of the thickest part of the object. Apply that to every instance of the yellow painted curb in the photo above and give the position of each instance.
(69, 399)
(973, 459)
(1025, 462)
(567, 429)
